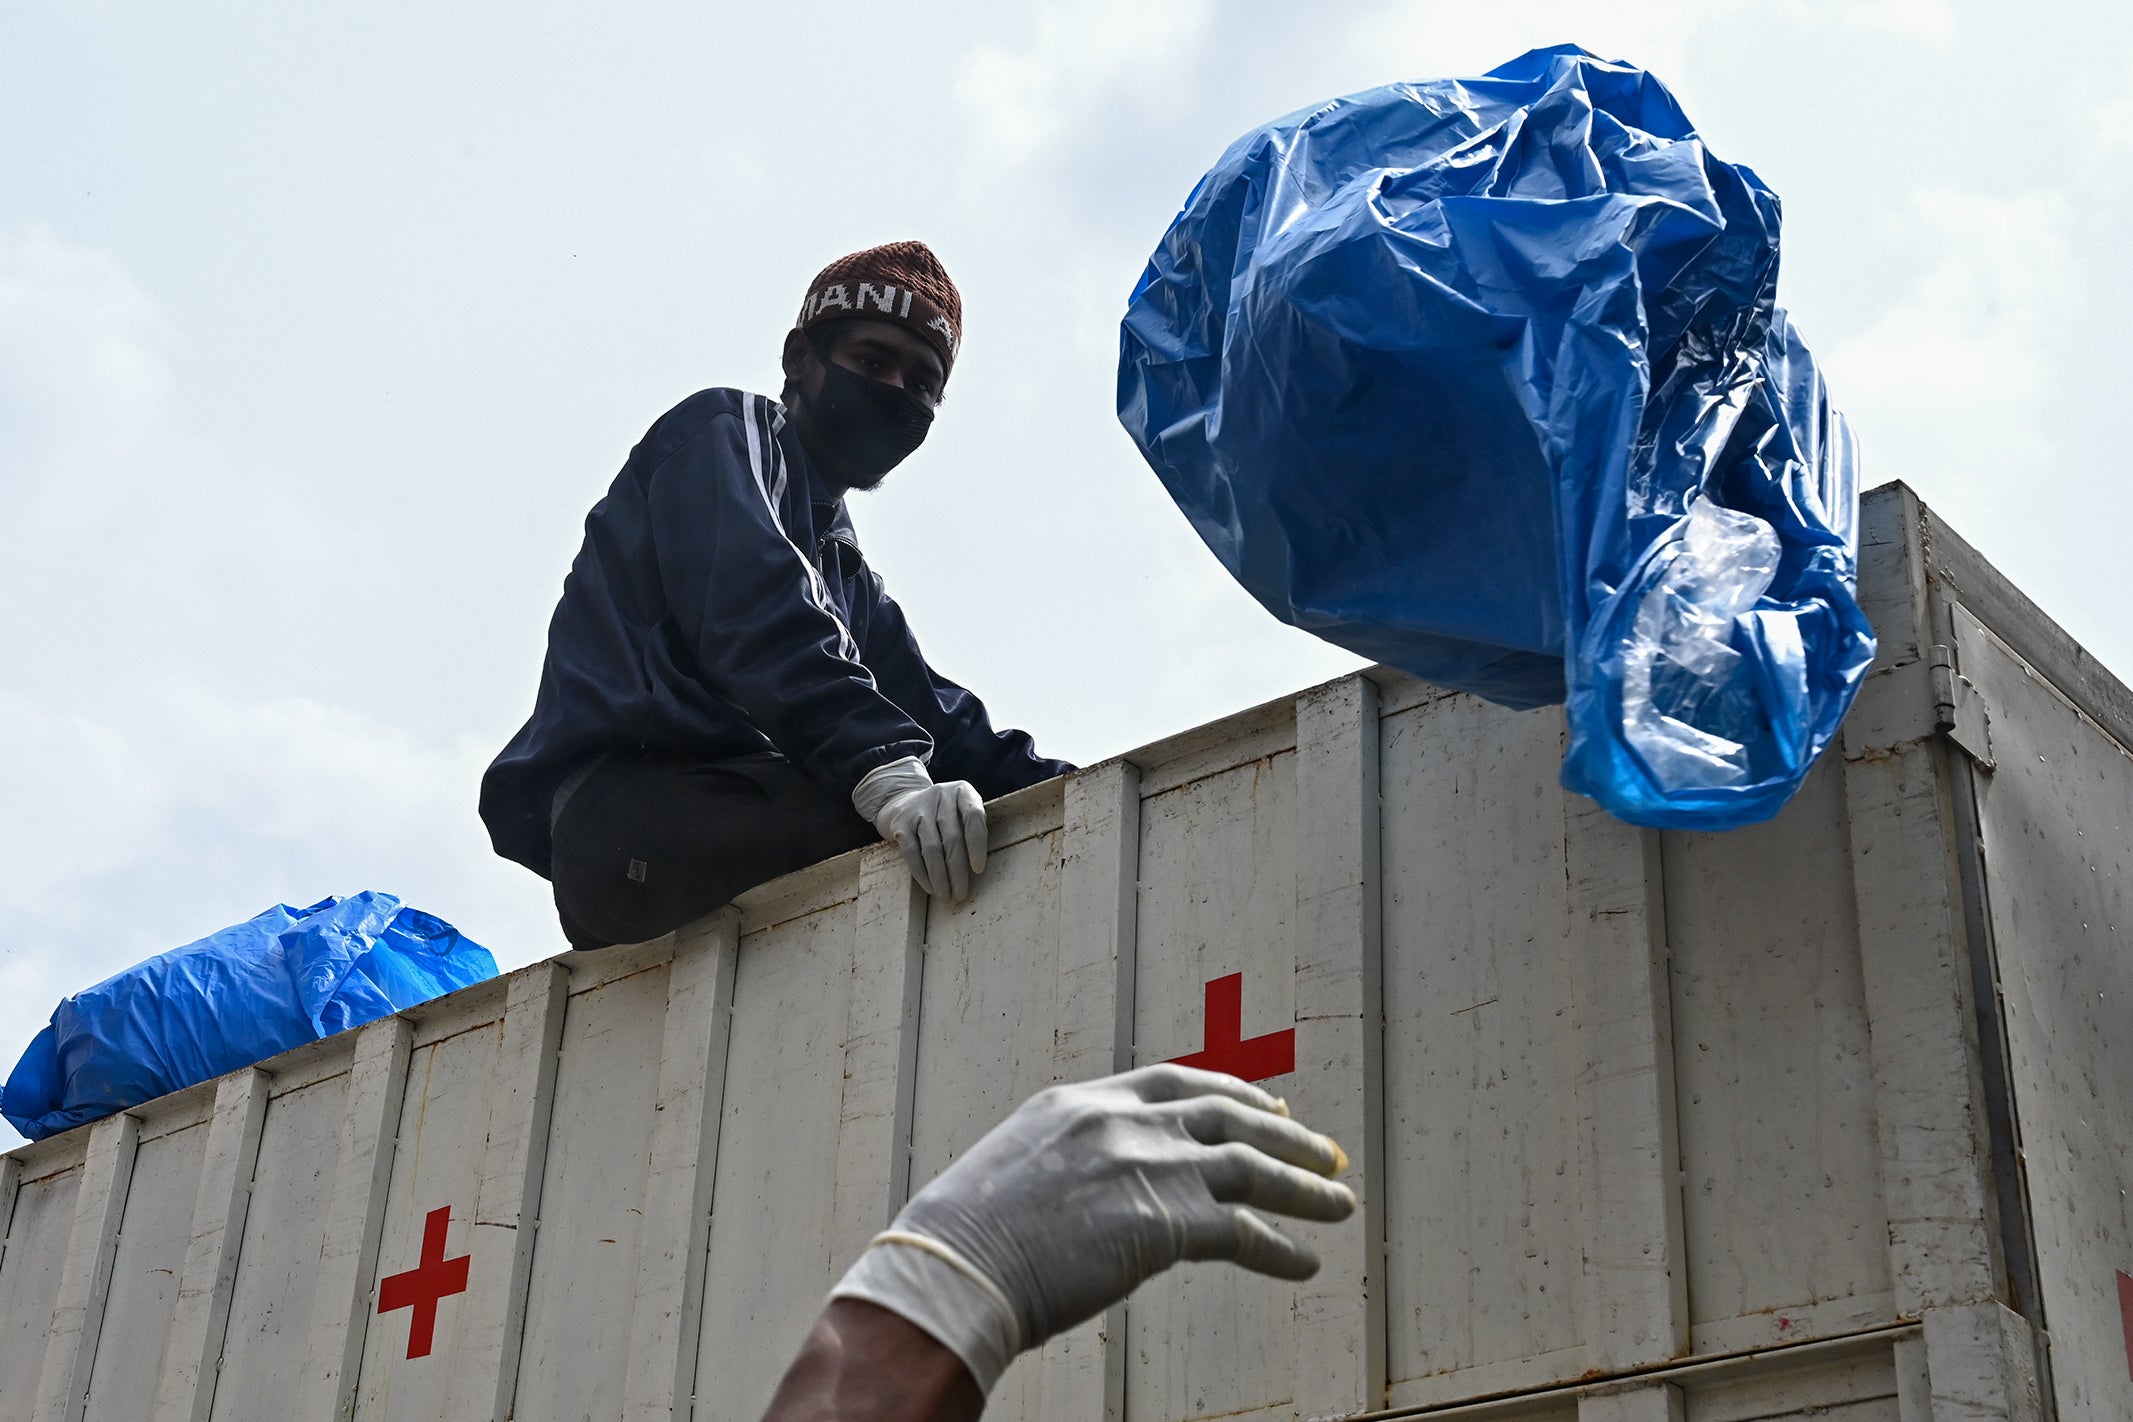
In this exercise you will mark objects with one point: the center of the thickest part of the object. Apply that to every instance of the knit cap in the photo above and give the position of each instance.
(901, 282)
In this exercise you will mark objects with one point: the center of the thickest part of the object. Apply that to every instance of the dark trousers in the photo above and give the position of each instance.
(645, 844)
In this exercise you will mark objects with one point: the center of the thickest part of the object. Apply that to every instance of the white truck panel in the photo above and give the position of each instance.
(269, 1321)
(773, 1204)
(436, 1165)
(584, 1283)
(1786, 1228)
(2057, 823)
(990, 986)
(1217, 898)
(1482, 1177)
(989, 989)
(145, 1272)
(1823, 1118)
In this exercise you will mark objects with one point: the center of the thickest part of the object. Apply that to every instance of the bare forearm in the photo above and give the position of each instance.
(865, 1364)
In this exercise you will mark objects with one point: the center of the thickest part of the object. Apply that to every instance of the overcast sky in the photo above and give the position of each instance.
(322, 326)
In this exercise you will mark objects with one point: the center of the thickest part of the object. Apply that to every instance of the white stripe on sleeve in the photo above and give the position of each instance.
(766, 461)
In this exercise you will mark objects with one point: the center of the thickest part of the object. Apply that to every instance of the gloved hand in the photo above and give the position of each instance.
(1087, 1190)
(940, 828)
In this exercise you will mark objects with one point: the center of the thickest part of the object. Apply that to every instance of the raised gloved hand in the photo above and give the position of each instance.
(940, 828)
(1087, 1190)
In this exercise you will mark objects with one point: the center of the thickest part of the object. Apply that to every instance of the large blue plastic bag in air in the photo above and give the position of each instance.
(286, 977)
(1485, 379)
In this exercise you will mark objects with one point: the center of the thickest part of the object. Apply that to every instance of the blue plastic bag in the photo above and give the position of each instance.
(1486, 379)
(236, 997)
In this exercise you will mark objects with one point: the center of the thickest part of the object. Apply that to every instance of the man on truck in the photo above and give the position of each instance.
(729, 692)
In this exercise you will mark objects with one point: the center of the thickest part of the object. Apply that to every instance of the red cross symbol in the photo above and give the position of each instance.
(1225, 1046)
(421, 1287)
(2125, 1314)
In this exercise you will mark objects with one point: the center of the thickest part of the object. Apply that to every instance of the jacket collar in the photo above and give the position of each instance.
(834, 523)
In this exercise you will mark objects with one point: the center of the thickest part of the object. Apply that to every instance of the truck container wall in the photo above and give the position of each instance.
(1824, 1118)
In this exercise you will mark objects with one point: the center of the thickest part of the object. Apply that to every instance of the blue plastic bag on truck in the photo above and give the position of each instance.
(1486, 379)
(236, 997)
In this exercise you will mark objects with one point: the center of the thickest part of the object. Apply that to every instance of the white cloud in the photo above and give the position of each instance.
(136, 542)
(85, 377)
(1026, 98)
(1430, 38)
(2107, 117)
(1930, 22)
(251, 799)
(1972, 331)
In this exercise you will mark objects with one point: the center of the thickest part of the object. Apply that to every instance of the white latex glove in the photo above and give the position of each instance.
(940, 828)
(1087, 1190)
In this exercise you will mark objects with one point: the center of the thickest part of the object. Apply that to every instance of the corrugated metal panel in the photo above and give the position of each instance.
(281, 1238)
(2056, 819)
(1483, 1184)
(1649, 1128)
(1217, 900)
(583, 1289)
(1787, 1230)
(145, 1272)
(990, 989)
(773, 1213)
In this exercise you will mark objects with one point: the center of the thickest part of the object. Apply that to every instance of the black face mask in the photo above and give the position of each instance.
(870, 425)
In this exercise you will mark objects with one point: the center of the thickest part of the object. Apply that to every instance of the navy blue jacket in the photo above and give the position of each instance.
(720, 607)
